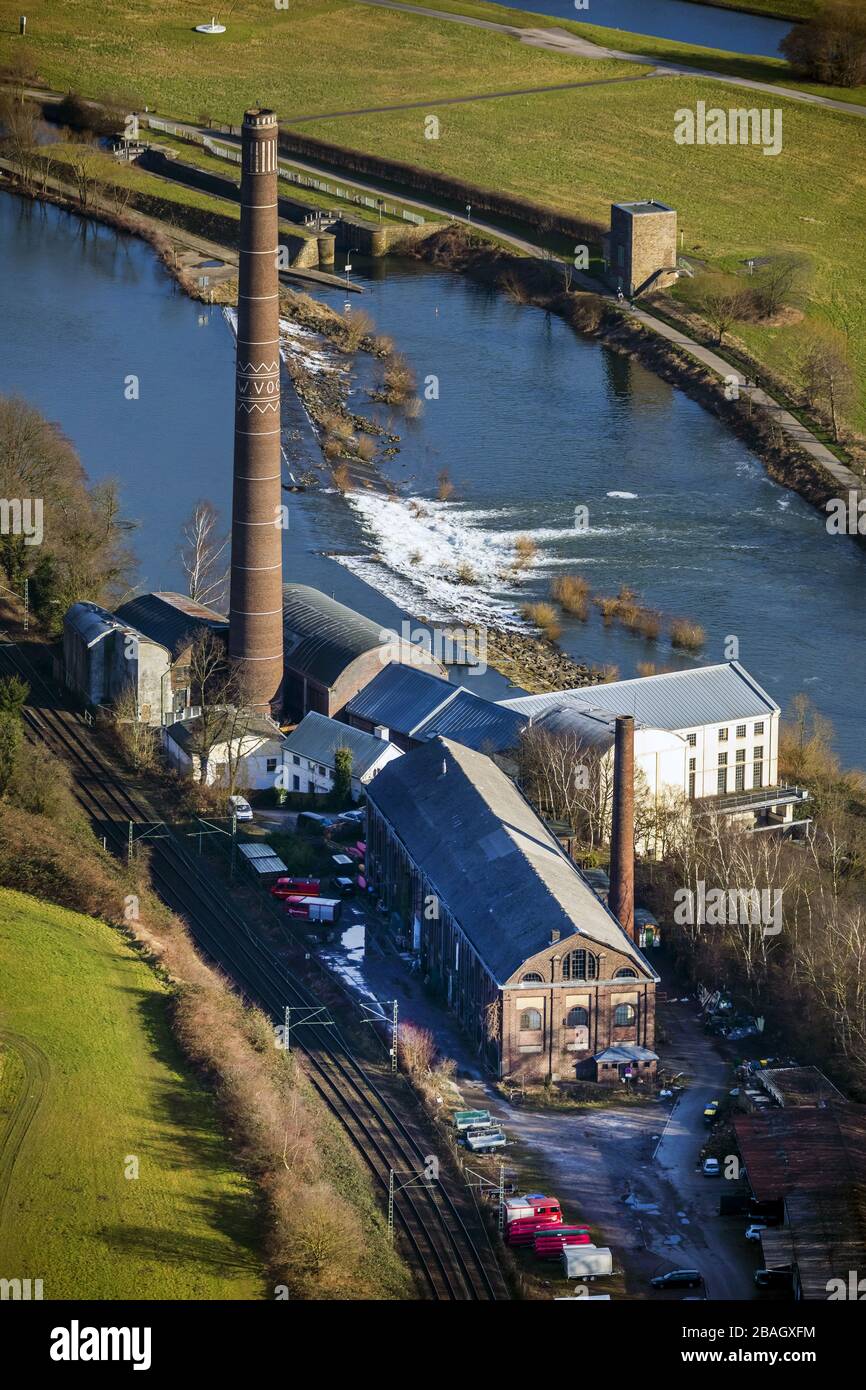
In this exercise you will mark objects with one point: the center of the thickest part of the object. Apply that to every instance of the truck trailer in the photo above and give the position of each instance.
(586, 1261)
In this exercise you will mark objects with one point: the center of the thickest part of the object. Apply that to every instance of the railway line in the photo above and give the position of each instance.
(440, 1233)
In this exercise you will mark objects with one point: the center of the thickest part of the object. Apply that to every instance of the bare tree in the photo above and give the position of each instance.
(782, 280)
(85, 159)
(19, 120)
(722, 300)
(139, 739)
(828, 379)
(203, 555)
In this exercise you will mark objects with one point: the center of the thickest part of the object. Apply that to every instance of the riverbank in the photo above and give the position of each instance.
(540, 284)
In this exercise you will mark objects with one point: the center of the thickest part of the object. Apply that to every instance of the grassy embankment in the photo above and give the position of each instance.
(85, 1029)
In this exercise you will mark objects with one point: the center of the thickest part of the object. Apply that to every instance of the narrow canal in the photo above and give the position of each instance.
(531, 422)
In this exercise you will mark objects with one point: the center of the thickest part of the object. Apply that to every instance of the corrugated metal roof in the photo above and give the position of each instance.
(475, 722)
(262, 859)
(401, 698)
(318, 737)
(91, 622)
(675, 700)
(323, 637)
(495, 865)
(170, 618)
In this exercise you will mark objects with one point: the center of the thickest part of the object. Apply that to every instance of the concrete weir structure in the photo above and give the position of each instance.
(256, 609)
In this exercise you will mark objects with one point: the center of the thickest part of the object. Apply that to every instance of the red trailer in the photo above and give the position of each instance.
(524, 1230)
(548, 1244)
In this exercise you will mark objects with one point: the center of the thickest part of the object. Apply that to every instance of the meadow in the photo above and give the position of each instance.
(91, 1084)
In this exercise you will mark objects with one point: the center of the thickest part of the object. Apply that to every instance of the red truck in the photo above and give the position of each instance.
(296, 887)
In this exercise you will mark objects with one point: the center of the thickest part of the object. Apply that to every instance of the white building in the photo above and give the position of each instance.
(722, 733)
(256, 750)
(105, 657)
(311, 749)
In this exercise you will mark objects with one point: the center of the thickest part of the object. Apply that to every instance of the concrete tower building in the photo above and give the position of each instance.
(256, 609)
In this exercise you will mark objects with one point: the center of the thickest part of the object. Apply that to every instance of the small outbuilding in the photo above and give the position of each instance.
(311, 749)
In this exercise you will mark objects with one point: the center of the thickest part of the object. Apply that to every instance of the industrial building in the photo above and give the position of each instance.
(722, 747)
(505, 929)
(332, 652)
(640, 250)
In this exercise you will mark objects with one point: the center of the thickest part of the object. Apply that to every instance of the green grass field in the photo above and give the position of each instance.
(584, 149)
(89, 1077)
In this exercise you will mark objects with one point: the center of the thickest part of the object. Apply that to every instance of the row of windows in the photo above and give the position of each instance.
(739, 732)
(623, 1016)
(579, 965)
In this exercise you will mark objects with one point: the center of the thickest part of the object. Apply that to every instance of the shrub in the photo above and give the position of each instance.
(608, 609)
(445, 486)
(525, 551)
(465, 573)
(687, 634)
(571, 592)
(543, 615)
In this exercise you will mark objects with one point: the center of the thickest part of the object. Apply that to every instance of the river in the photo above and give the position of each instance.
(709, 26)
(531, 422)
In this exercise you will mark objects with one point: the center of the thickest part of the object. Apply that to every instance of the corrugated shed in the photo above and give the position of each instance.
(318, 737)
(492, 862)
(401, 698)
(169, 618)
(675, 700)
(91, 623)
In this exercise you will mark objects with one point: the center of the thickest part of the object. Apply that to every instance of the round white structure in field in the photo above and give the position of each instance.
(212, 28)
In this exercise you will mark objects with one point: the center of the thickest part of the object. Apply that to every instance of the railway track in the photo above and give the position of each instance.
(440, 1233)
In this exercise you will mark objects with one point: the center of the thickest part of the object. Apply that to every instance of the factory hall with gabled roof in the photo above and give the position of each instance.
(331, 652)
(506, 929)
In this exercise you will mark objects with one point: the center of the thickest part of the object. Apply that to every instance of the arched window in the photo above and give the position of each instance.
(530, 1021)
(580, 965)
(531, 979)
(577, 1018)
(623, 1015)
(625, 974)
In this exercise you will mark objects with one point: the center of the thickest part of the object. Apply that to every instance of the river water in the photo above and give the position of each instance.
(707, 25)
(531, 423)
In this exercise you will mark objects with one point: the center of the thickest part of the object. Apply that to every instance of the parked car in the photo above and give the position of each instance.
(711, 1168)
(711, 1111)
(678, 1279)
(315, 821)
(773, 1278)
(240, 808)
(756, 1230)
(345, 887)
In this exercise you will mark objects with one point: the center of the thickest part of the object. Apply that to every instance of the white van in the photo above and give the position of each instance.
(240, 808)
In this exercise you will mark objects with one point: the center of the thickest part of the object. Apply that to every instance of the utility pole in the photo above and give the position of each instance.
(394, 1042)
(234, 843)
(501, 1217)
(129, 845)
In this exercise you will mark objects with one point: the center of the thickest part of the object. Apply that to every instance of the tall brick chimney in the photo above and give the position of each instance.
(621, 899)
(256, 596)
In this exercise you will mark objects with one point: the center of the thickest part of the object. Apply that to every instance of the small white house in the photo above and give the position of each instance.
(256, 748)
(310, 752)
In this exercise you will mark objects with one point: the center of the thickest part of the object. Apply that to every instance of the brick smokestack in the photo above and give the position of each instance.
(621, 900)
(256, 602)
